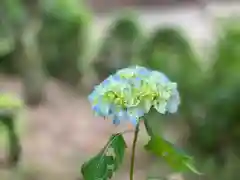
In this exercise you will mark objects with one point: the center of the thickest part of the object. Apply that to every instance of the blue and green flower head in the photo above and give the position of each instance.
(131, 92)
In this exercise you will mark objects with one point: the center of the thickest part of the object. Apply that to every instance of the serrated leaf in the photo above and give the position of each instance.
(104, 165)
(175, 157)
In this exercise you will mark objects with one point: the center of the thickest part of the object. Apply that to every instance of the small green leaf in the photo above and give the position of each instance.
(104, 165)
(152, 122)
(175, 157)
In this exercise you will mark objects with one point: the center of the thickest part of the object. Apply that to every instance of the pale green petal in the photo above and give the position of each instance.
(160, 106)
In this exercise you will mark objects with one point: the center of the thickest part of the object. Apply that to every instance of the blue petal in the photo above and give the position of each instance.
(116, 77)
(160, 107)
(116, 120)
(136, 112)
(102, 109)
(122, 115)
(143, 71)
(136, 82)
(173, 102)
(92, 96)
(97, 110)
(133, 120)
(106, 82)
(161, 77)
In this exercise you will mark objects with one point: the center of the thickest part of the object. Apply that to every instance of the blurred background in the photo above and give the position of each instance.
(53, 52)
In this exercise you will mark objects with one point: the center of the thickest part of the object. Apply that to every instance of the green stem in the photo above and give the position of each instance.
(133, 152)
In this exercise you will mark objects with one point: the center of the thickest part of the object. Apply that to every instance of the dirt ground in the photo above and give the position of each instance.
(62, 133)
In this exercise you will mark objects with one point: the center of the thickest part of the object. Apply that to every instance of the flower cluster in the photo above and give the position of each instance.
(131, 92)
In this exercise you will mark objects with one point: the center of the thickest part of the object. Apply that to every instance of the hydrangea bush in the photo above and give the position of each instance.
(128, 96)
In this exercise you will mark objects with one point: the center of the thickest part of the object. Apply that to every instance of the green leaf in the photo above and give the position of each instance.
(148, 127)
(152, 122)
(175, 157)
(104, 165)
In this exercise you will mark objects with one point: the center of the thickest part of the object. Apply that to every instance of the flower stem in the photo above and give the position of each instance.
(133, 152)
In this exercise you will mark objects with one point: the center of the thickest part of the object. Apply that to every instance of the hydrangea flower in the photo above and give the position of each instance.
(131, 92)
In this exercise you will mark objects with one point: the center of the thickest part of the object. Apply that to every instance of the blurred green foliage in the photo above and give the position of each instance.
(43, 38)
(9, 110)
(12, 17)
(168, 50)
(220, 131)
(8, 101)
(120, 47)
(63, 38)
(210, 99)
